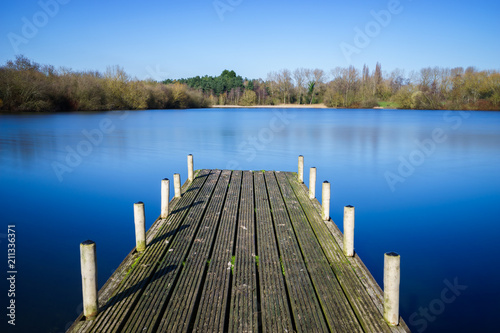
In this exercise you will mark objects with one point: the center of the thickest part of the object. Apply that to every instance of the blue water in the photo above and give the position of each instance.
(439, 209)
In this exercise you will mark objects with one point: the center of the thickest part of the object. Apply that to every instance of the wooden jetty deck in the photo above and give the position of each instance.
(241, 251)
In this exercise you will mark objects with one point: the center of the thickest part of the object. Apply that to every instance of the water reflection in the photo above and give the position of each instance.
(433, 211)
(356, 137)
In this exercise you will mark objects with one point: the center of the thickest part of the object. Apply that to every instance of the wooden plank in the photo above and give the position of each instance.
(306, 309)
(148, 263)
(336, 308)
(124, 298)
(243, 316)
(276, 315)
(185, 280)
(180, 308)
(212, 309)
(116, 279)
(363, 291)
(155, 295)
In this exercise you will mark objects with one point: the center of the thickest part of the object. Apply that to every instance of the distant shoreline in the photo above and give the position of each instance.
(278, 106)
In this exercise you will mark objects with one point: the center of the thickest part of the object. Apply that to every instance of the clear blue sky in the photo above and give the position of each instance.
(173, 39)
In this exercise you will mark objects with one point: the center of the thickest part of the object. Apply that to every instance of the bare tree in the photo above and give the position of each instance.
(346, 81)
(272, 83)
(299, 75)
(397, 80)
(366, 79)
(377, 80)
(284, 81)
(286, 77)
(425, 80)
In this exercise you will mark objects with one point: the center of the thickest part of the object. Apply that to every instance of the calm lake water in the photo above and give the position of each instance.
(425, 184)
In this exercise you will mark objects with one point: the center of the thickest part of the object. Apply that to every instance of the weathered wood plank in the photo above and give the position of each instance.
(123, 287)
(180, 308)
(200, 270)
(276, 315)
(153, 300)
(363, 291)
(243, 316)
(337, 310)
(306, 309)
(362, 306)
(134, 286)
(212, 309)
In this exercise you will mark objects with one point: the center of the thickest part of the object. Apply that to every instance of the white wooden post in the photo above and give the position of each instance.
(140, 226)
(325, 201)
(89, 279)
(392, 270)
(165, 194)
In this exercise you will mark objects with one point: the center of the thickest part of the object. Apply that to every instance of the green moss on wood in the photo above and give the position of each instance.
(233, 261)
(282, 266)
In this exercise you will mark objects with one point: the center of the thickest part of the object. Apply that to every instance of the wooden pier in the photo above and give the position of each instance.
(241, 251)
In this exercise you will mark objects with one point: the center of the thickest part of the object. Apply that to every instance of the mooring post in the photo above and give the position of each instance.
(301, 169)
(165, 194)
(177, 185)
(325, 201)
(349, 231)
(391, 287)
(89, 279)
(190, 168)
(140, 226)
(312, 183)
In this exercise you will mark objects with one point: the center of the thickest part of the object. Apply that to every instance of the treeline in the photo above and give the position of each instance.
(28, 86)
(348, 87)
(431, 88)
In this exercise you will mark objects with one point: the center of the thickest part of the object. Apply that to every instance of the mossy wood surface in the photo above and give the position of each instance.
(241, 251)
